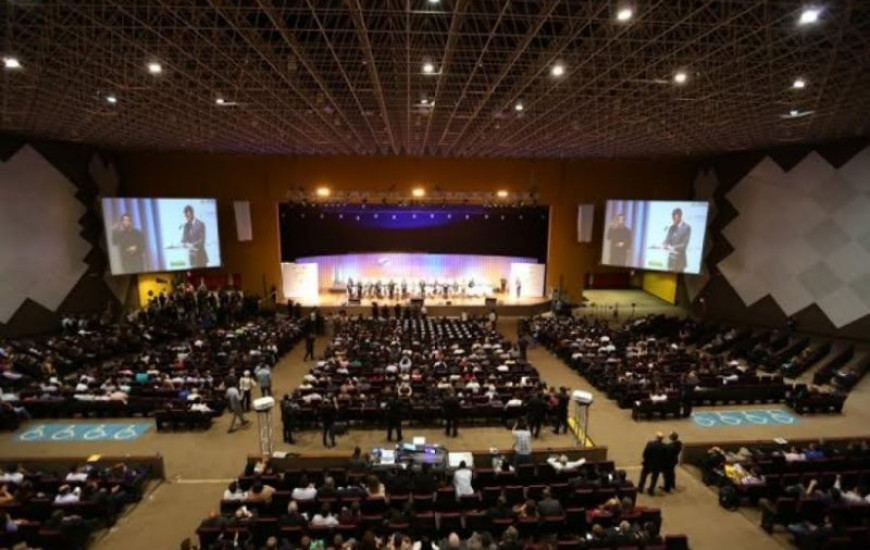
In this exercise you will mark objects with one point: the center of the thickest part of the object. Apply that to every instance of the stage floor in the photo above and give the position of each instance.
(331, 302)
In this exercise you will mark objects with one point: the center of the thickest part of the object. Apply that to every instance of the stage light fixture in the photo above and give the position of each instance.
(11, 63)
(155, 67)
(624, 14)
(428, 68)
(680, 77)
(799, 84)
(518, 107)
(418, 192)
(323, 191)
(557, 70)
(809, 16)
(111, 99)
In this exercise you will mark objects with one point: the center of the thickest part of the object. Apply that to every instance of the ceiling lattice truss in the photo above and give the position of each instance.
(346, 77)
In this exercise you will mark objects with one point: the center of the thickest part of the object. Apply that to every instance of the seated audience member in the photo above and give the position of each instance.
(234, 492)
(260, 492)
(375, 488)
(462, 480)
(305, 490)
(527, 510)
(67, 495)
(294, 517)
(324, 518)
(357, 462)
(327, 490)
(562, 464)
(549, 506)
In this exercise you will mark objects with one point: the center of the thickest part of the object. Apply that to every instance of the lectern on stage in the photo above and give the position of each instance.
(582, 402)
(264, 406)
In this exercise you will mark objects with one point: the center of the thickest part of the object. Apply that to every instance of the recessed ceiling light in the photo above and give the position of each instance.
(518, 107)
(502, 194)
(434, 1)
(624, 14)
(323, 191)
(799, 84)
(680, 77)
(793, 112)
(111, 99)
(428, 68)
(424, 101)
(219, 101)
(11, 63)
(418, 192)
(557, 70)
(155, 67)
(809, 16)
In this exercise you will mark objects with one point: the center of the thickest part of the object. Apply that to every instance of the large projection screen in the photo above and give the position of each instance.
(151, 234)
(655, 235)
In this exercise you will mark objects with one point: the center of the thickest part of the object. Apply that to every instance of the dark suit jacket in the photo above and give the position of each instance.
(194, 235)
(655, 455)
(678, 238)
(549, 507)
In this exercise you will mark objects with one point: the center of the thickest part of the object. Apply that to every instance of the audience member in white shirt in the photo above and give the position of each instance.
(462, 480)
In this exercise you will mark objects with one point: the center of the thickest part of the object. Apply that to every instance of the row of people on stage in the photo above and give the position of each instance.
(404, 289)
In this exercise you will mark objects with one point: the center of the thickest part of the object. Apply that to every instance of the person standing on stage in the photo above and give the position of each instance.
(193, 238)
(620, 238)
(394, 412)
(451, 408)
(519, 287)
(246, 384)
(677, 241)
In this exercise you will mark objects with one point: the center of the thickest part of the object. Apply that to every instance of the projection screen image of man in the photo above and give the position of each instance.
(131, 245)
(620, 239)
(194, 238)
(655, 235)
(677, 241)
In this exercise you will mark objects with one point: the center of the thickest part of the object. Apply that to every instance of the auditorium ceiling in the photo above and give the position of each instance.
(454, 78)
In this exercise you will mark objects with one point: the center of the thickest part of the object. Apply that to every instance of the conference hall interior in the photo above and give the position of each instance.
(434, 274)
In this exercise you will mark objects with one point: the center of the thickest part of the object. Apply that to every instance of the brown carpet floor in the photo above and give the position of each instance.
(199, 465)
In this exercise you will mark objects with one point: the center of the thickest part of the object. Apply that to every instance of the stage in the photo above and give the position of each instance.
(505, 306)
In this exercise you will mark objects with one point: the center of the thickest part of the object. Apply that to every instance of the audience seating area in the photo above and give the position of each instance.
(657, 365)
(174, 354)
(419, 360)
(54, 507)
(594, 494)
(817, 491)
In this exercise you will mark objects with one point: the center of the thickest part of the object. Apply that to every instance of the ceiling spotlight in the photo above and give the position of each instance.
(434, 1)
(518, 107)
(418, 192)
(799, 84)
(681, 77)
(219, 101)
(323, 191)
(793, 113)
(424, 101)
(111, 99)
(809, 16)
(11, 63)
(557, 70)
(428, 68)
(155, 67)
(502, 194)
(624, 14)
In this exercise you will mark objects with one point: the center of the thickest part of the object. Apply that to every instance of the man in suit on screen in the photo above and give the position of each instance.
(131, 245)
(620, 239)
(677, 241)
(193, 239)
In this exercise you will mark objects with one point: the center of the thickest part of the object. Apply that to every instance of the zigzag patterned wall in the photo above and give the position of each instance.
(52, 257)
(797, 232)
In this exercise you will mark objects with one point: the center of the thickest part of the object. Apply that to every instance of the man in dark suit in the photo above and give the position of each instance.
(288, 418)
(394, 418)
(451, 408)
(193, 239)
(677, 241)
(674, 448)
(537, 408)
(654, 457)
(549, 506)
(131, 245)
(620, 239)
(561, 411)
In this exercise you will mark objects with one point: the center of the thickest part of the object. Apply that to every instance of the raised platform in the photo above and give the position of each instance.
(505, 306)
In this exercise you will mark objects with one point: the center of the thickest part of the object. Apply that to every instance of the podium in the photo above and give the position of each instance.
(656, 258)
(264, 406)
(177, 257)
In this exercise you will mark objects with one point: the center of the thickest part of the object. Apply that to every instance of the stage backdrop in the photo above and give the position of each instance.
(456, 229)
(487, 271)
